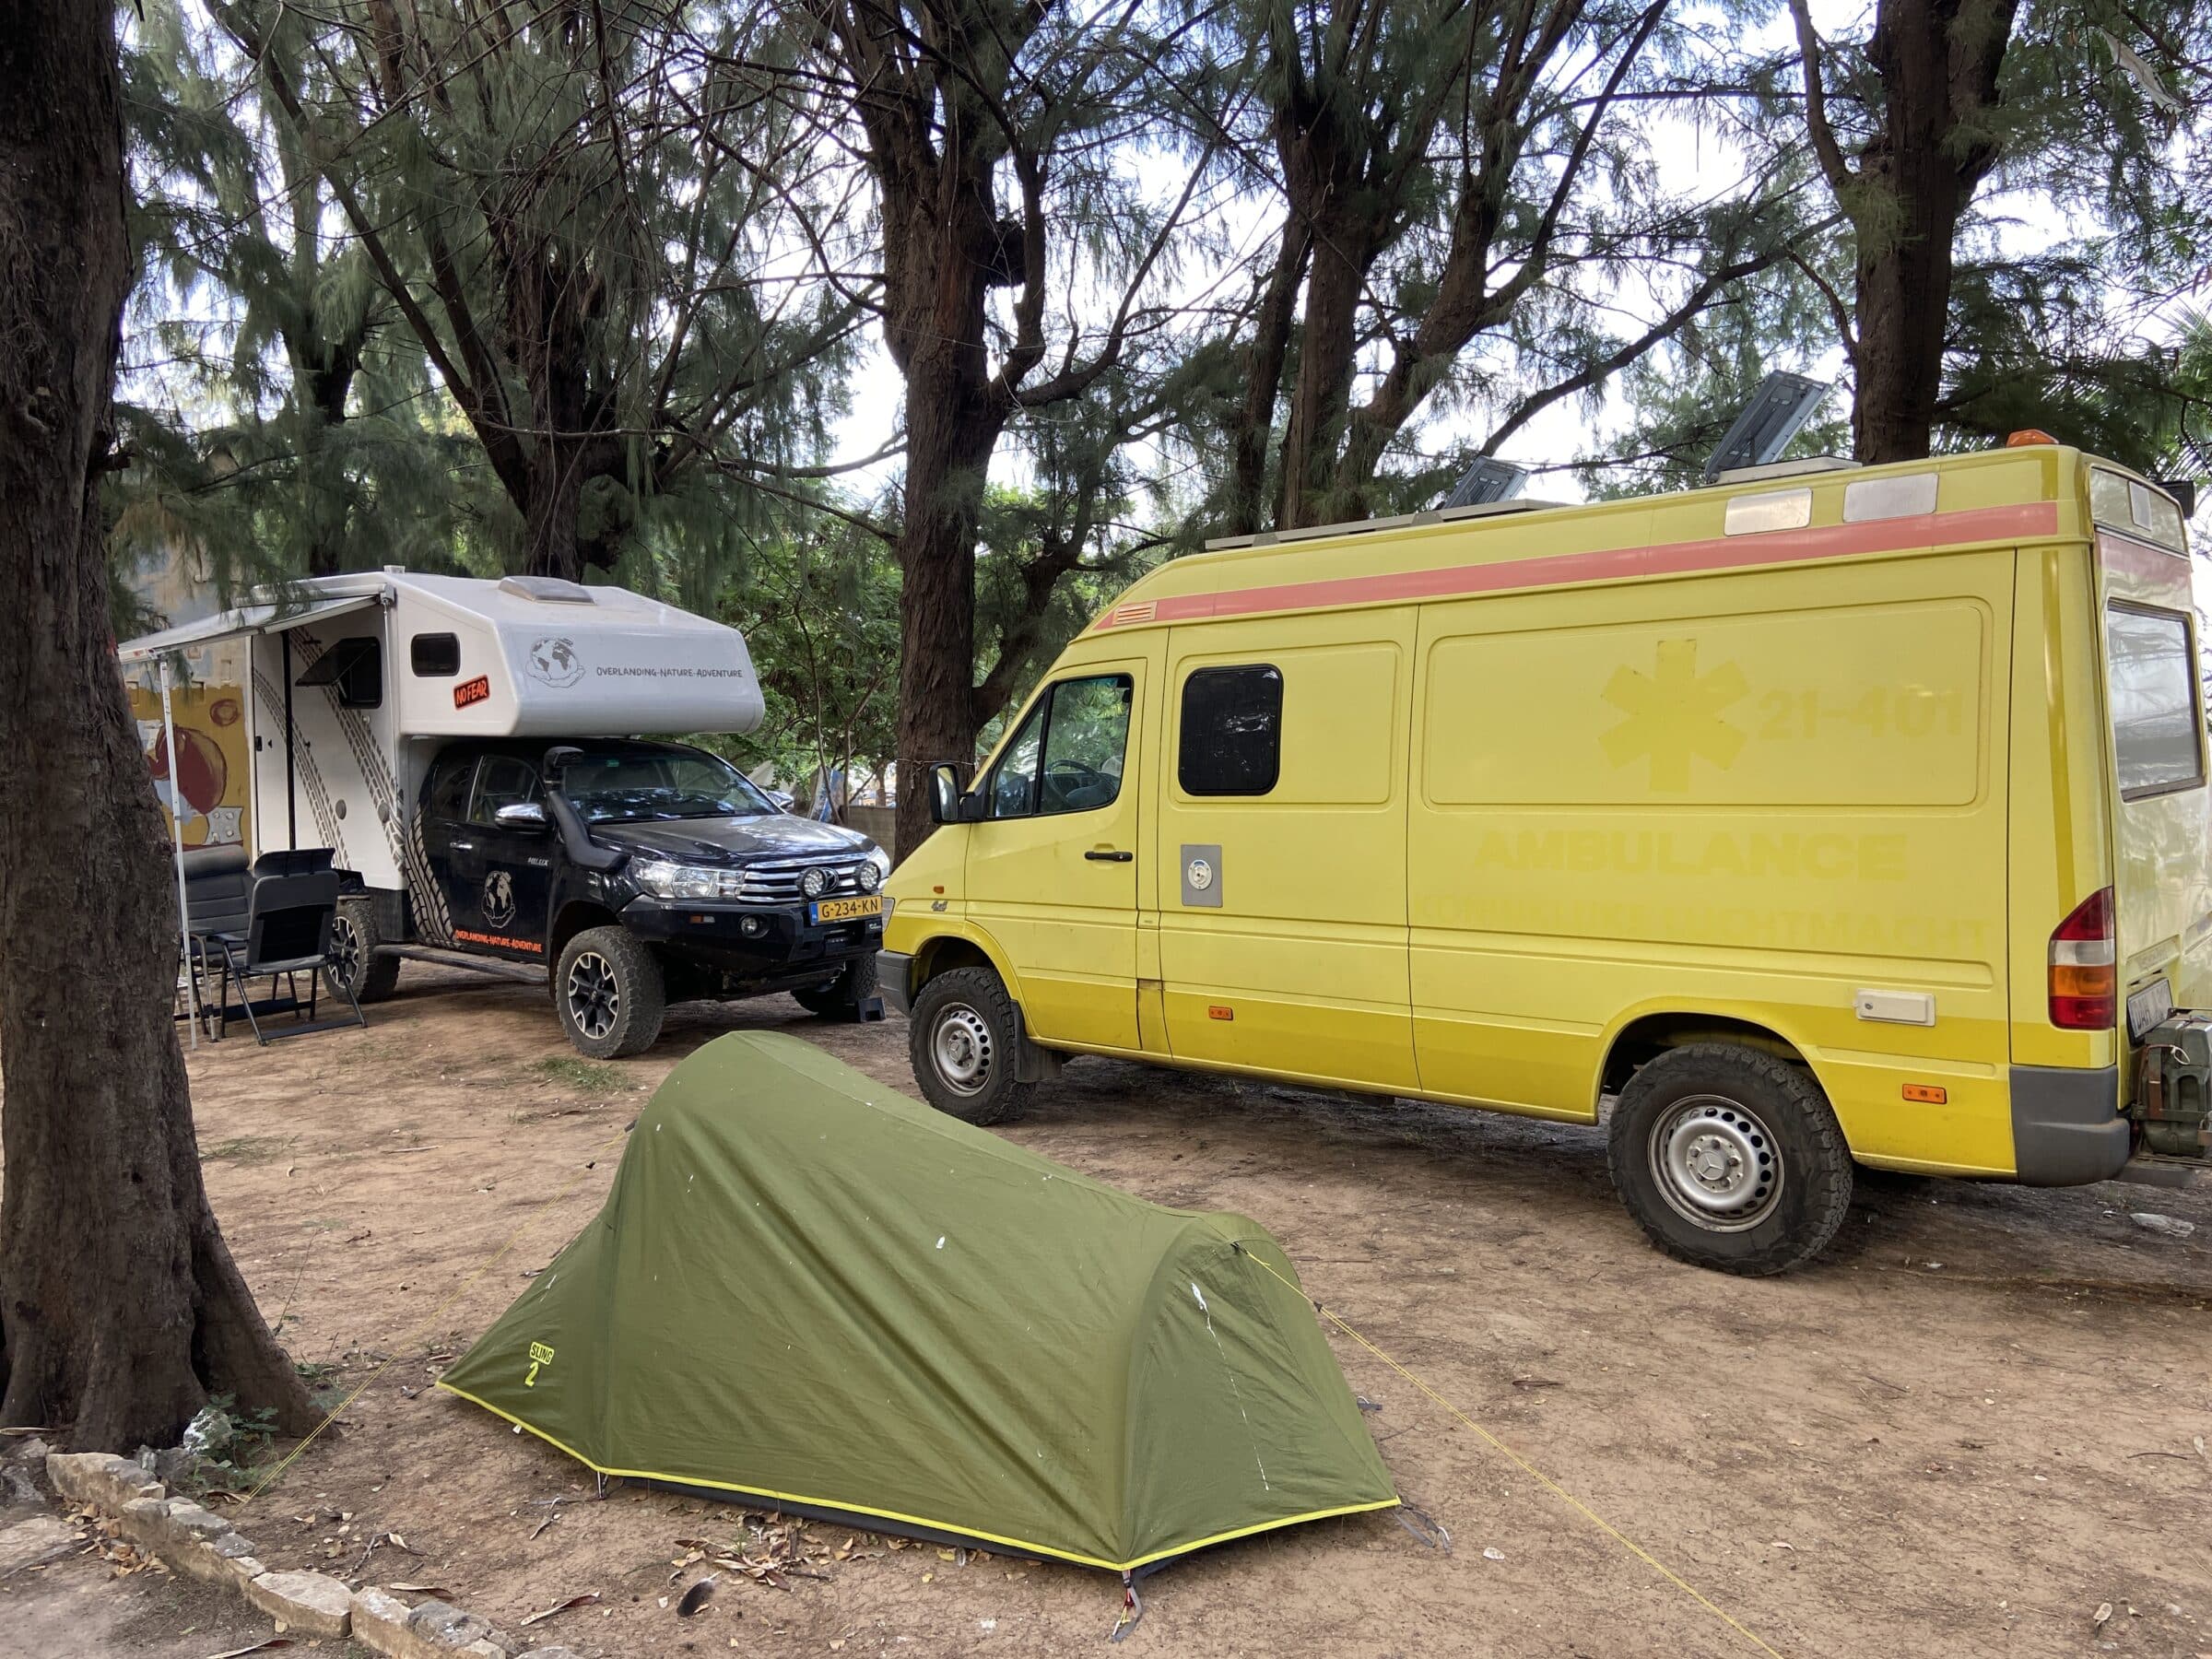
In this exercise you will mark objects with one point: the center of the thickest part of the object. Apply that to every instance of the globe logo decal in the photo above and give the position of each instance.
(498, 899)
(553, 659)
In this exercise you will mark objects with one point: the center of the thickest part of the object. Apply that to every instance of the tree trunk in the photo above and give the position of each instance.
(120, 1310)
(1938, 62)
(1263, 379)
(951, 430)
(1326, 356)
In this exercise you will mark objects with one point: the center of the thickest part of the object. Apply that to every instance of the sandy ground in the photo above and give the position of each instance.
(1977, 1420)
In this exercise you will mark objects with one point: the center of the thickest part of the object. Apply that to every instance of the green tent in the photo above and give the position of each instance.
(808, 1290)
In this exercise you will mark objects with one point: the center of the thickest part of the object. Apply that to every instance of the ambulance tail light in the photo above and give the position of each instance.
(2085, 977)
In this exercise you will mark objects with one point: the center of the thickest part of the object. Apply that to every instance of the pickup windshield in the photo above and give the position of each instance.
(617, 789)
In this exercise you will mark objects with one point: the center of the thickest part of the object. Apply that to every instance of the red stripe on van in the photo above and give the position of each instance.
(1674, 558)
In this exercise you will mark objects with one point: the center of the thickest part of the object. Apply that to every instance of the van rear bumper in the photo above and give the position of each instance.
(2067, 1127)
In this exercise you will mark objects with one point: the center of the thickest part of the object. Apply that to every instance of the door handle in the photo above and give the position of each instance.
(1110, 855)
(461, 846)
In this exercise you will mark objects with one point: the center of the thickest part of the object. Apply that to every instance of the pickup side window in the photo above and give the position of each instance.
(501, 780)
(2156, 736)
(1232, 731)
(448, 796)
(1067, 756)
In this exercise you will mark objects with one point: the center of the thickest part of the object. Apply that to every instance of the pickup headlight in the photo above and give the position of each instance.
(873, 869)
(665, 878)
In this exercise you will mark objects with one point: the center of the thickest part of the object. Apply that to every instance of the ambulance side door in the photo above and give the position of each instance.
(1281, 790)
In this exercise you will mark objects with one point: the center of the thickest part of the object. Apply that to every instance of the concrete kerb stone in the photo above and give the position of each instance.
(193, 1540)
(101, 1478)
(310, 1602)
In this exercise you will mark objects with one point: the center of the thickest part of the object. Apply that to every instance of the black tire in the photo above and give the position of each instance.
(355, 961)
(964, 1040)
(842, 997)
(609, 994)
(1730, 1159)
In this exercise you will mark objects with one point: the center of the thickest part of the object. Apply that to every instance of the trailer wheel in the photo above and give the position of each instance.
(609, 993)
(1730, 1159)
(964, 1042)
(355, 963)
(842, 997)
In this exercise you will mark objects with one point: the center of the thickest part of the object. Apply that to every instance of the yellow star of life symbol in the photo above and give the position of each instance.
(1674, 715)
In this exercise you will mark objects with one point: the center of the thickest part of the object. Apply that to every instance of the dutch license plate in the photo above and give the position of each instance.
(844, 910)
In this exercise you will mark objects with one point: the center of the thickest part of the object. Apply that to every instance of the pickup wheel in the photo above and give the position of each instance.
(609, 993)
(355, 964)
(965, 1043)
(842, 997)
(1730, 1159)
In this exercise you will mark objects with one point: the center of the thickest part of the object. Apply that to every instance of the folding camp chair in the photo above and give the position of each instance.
(284, 932)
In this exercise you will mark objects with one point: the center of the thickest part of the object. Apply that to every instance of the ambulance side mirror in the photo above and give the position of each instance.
(947, 804)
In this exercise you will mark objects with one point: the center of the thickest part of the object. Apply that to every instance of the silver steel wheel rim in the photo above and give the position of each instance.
(595, 999)
(1716, 1163)
(961, 1048)
(344, 950)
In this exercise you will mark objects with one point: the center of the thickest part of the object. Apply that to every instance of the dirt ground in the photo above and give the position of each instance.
(1979, 1420)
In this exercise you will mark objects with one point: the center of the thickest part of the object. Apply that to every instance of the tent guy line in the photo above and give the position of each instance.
(1545, 1481)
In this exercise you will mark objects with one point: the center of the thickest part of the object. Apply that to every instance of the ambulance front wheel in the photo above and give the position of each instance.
(1730, 1159)
(610, 994)
(355, 964)
(965, 1040)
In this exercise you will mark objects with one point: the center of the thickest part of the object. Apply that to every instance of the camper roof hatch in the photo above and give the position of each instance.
(546, 590)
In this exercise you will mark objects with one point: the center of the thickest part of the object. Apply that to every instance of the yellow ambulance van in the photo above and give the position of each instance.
(1834, 813)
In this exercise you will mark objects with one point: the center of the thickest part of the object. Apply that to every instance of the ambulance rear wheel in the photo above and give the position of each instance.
(1730, 1159)
(964, 1039)
(355, 964)
(610, 994)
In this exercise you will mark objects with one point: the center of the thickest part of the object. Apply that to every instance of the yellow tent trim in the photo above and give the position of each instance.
(1021, 1544)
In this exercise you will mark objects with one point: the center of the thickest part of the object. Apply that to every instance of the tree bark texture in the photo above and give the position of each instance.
(1936, 63)
(120, 1310)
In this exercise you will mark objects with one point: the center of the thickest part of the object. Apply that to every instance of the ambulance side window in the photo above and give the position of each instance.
(1232, 731)
(1067, 757)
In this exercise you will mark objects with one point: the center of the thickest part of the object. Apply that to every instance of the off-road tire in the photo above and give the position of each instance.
(1741, 1115)
(842, 997)
(354, 957)
(609, 994)
(967, 1010)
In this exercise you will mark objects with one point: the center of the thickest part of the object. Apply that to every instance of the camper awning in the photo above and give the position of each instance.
(262, 618)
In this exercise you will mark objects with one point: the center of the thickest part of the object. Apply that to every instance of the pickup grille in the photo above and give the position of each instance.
(776, 880)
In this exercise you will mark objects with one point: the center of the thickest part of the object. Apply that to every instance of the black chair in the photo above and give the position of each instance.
(273, 920)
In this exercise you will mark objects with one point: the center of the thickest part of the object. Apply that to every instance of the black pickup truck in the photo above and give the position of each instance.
(640, 873)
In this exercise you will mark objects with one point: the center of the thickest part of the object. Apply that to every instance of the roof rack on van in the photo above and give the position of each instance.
(1432, 516)
(1785, 469)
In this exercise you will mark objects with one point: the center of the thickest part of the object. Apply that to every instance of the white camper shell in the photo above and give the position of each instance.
(357, 680)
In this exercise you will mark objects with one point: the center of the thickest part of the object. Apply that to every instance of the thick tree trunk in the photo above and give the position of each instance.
(1938, 62)
(951, 430)
(1326, 356)
(120, 1307)
(1264, 364)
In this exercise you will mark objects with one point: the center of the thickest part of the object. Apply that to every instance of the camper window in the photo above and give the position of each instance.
(435, 657)
(501, 780)
(1232, 731)
(354, 669)
(2154, 734)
